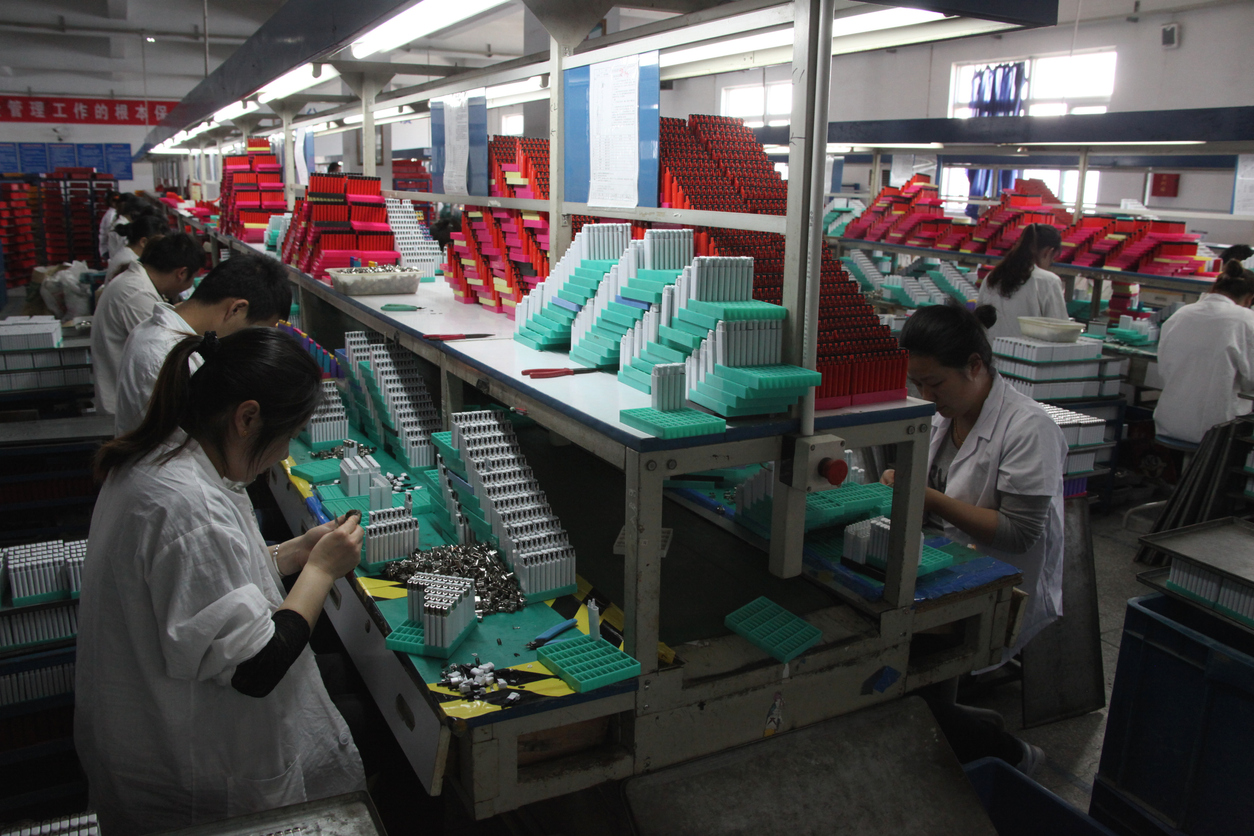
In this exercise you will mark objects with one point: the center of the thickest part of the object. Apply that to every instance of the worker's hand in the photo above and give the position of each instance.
(888, 477)
(339, 551)
(310, 538)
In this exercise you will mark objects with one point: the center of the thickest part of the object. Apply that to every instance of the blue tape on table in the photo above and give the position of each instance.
(563, 303)
(315, 507)
(644, 306)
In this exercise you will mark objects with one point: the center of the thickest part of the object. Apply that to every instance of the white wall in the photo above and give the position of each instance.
(37, 132)
(1207, 70)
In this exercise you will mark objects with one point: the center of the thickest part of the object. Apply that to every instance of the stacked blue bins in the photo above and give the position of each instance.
(1179, 750)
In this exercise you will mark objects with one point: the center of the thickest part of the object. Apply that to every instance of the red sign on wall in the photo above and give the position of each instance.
(65, 110)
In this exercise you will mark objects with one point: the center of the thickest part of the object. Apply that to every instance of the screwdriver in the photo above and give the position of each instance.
(443, 338)
(541, 373)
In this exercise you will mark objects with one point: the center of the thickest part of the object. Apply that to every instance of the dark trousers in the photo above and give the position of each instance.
(973, 733)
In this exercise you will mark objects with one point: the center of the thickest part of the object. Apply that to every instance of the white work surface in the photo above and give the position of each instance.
(592, 399)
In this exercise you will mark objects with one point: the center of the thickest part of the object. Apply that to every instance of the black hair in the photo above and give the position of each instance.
(1013, 271)
(1237, 252)
(169, 253)
(259, 280)
(264, 365)
(1235, 281)
(141, 227)
(950, 333)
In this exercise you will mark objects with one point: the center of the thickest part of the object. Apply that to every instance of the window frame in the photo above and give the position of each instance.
(1070, 102)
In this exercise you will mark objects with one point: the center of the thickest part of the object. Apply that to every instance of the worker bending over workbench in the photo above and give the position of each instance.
(199, 697)
(995, 475)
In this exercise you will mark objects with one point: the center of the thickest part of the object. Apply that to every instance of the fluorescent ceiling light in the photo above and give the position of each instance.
(514, 88)
(301, 78)
(1115, 142)
(916, 145)
(233, 111)
(385, 113)
(843, 26)
(418, 21)
(320, 126)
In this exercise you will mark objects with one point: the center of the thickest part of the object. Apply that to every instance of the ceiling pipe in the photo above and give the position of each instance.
(108, 31)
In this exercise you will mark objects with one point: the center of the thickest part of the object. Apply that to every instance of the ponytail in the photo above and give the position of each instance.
(951, 334)
(144, 226)
(259, 364)
(1013, 271)
(1235, 282)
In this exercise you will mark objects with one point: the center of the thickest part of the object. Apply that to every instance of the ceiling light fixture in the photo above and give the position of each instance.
(419, 21)
(301, 78)
(234, 111)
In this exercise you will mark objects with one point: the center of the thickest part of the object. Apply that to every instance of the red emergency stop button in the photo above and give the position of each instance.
(834, 470)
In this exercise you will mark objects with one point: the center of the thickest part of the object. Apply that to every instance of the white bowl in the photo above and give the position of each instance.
(1050, 330)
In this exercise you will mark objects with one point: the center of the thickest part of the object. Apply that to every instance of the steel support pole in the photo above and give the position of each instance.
(1079, 187)
(642, 568)
(368, 91)
(874, 186)
(559, 224)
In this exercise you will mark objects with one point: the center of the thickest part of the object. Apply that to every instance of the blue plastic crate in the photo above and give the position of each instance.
(1018, 806)
(1179, 740)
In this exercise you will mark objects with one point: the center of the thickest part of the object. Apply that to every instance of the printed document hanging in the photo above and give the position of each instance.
(614, 132)
(456, 143)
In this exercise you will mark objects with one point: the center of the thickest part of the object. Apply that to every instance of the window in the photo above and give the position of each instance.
(1057, 84)
(511, 124)
(1064, 184)
(758, 104)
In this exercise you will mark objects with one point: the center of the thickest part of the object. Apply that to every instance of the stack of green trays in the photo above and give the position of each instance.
(752, 390)
(738, 311)
(839, 506)
(852, 268)
(1128, 336)
(773, 629)
(639, 373)
(318, 470)
(585, 663)
(550, 327)
(932, 560)
(681, 423)
(648, 285)
(599, 348)
(408, 638)
(452, 459)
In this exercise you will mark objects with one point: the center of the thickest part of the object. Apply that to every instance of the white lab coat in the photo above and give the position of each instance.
(1205, 357)
(1015, 447)
(118, 262)
(106, 224)
(142, 358)
(1041, 295)
(114, 241)
(125, 302)
(178, 590)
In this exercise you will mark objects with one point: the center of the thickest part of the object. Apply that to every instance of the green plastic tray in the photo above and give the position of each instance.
(682, 423)
(318, 470)
(773, 629)
(636, 379)
(933, 560)
(736, 311)
(770, 377)
(407, 638)
(585, 663)
(42, 598)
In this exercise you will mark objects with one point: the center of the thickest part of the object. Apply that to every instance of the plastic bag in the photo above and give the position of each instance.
(65, 294)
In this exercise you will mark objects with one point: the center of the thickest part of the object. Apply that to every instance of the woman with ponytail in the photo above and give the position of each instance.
(1206, 358)
(203, 699)
(1021, 286)
(995, 474)
(137, 233)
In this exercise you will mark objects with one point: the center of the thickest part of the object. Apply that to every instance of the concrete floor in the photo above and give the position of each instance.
(1073, 747)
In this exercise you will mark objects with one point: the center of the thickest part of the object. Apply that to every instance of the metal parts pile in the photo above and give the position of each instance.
(496, 588)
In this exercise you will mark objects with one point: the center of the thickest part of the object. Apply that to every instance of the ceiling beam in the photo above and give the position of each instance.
(395, 69)
(75, 30)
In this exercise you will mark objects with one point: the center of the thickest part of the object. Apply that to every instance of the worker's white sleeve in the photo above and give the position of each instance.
(1243, 357)
(1032, 457)
(211, 619)
(1054, 305)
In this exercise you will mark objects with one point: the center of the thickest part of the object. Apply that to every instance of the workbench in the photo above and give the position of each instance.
(706, 690)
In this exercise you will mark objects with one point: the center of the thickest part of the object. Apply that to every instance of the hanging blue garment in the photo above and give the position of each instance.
(995, 91)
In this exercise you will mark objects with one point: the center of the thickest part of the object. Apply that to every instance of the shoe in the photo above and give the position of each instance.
(1033, 757)
(986, 715)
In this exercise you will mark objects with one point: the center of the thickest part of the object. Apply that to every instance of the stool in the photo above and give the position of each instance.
(1187, 448)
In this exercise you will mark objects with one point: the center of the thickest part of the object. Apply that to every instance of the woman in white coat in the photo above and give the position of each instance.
(1020, 284)
(205, 700)
(137, 234)
(995, 473)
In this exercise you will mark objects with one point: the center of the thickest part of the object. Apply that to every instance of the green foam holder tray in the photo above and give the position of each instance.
(549, 594)
(697, 319)
(770, 377)
(641, 294)
(932, 560)
(773, 629)
(585, 663)
(603, 264)
(721, 408)
(664, 276)
(682, 423)
(42, 598)
(407, 638)
(636, 379)
(452, 459)
(740, 310)
(313, 472)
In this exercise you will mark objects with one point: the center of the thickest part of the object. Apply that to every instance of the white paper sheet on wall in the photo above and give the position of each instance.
(1243, 193)
(614, 132)
(456, 143)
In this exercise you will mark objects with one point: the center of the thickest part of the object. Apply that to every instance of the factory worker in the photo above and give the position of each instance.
(205, 700)
(995, 473)
(1206, 358)
(242, 291)
(129, 208)
(1020, 284)
(163, 272)
(137, 234)
(106, 224)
